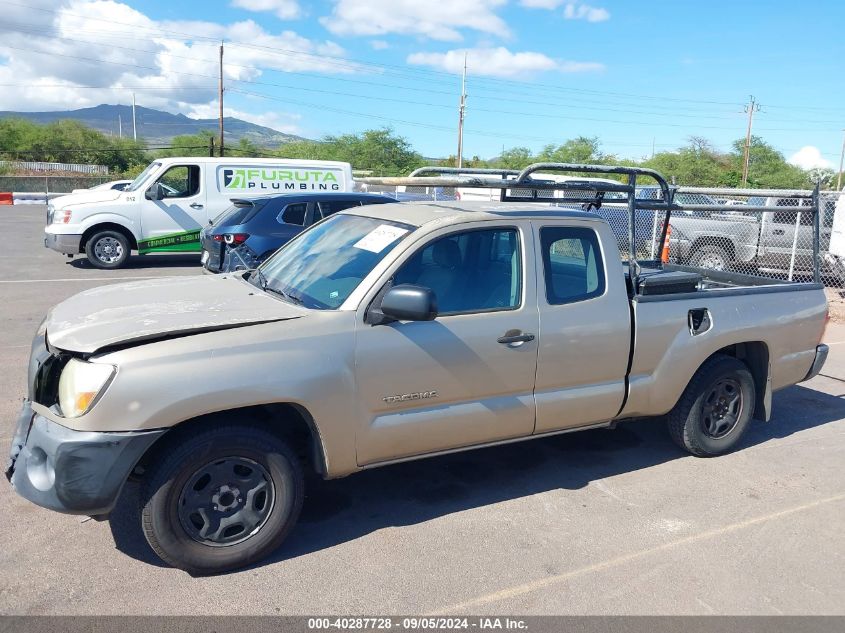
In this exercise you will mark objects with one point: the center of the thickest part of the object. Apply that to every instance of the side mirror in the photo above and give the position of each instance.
(155, 192)
(409, 303)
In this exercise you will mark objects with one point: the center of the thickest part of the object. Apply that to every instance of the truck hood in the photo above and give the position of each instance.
(149, 310)
(86, 197)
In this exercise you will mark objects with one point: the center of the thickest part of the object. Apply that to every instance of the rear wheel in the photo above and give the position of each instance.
(107, 249)
(710, 256)
(221, 499)
(715, 409)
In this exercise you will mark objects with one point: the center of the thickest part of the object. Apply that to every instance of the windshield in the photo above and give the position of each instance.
(324, 265)
(140, 178)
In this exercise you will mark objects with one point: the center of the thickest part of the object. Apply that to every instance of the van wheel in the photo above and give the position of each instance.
(221, 499)
(107, 249)
(711, 257)
(715, 409)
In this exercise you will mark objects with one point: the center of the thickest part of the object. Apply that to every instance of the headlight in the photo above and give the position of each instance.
(80, 384)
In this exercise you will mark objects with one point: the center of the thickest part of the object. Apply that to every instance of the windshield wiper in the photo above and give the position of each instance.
(283, 294)
(262, 280)
(266, 287)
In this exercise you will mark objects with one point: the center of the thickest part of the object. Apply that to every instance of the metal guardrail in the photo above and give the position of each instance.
(539, 185)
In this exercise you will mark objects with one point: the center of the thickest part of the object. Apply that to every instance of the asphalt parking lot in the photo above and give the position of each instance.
(599, 522)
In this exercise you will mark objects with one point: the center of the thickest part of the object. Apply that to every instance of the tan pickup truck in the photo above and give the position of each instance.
(385, 333)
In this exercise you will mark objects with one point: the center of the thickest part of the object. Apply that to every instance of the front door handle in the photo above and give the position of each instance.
(196, 205)
(778, 232)
(515, 336)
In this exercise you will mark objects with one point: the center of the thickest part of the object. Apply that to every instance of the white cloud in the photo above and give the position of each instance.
(284, 9)
(571, 10)
(441, 22)
(809, 157)
(60, 55)
(379, 45)
(541, 4)
(498, 62)
(580, 11)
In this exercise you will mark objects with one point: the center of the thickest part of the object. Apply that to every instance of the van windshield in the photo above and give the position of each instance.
(322, 266)
(140, 178)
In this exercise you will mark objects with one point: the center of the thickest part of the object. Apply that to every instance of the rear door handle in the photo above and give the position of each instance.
(515, 336)
(196, 205)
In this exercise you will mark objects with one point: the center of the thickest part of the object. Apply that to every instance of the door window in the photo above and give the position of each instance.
(789, 217)
(327, 208)
(181, 181)
(572, 264)
(293, 214)
(473, 271)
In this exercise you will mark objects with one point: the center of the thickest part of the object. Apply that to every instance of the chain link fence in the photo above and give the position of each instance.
(777, 244)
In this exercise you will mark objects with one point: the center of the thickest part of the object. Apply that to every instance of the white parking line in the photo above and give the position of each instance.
(35, 281)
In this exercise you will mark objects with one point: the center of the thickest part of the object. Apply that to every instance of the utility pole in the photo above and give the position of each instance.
(461, 110)
(134, 129)
(751, 108)
(841, 160)
(220, 97)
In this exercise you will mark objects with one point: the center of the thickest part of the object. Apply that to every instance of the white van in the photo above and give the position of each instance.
(165, 207)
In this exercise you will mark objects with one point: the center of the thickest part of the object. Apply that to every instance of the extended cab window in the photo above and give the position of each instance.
(181, 181)
(789, 217)
(572, 264)
(293, 214)
(473, 271)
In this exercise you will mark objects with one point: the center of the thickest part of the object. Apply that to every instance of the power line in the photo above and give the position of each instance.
(498, 97)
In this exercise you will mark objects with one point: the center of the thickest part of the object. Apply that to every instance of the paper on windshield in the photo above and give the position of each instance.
(379, 238)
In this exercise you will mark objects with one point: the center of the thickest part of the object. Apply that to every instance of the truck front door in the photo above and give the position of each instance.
(173, 223)
(455, 381)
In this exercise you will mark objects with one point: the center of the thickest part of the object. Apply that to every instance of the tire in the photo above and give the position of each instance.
(107, 249)
(201, 511)
(711, 257)
(700, 423)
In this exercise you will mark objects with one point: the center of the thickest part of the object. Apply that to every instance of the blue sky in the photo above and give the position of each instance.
(539, 71)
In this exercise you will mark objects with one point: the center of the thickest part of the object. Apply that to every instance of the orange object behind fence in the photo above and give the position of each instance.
(664, 255)
(6, 198)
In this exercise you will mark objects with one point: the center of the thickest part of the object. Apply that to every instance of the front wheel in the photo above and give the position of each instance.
(715, 409)
(107, 249)
(221, 499)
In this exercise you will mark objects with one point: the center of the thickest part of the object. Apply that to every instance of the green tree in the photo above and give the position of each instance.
(380, 151)
(767, 167)
(191, 145)
(515, 158)
(582, 149)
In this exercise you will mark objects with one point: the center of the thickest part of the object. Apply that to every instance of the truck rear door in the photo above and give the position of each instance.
(585, 325)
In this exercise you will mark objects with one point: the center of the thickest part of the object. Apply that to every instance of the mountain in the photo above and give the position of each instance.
(157, 128)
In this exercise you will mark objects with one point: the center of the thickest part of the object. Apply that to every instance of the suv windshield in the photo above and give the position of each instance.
(321, 267)
(140, 178)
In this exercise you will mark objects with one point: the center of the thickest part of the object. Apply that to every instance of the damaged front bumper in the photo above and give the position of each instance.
(76, 472)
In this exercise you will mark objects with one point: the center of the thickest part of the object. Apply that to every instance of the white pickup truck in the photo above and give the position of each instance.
(380, 334)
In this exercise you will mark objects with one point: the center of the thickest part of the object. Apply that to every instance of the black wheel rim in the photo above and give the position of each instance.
(226, 501)
(722, 408)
